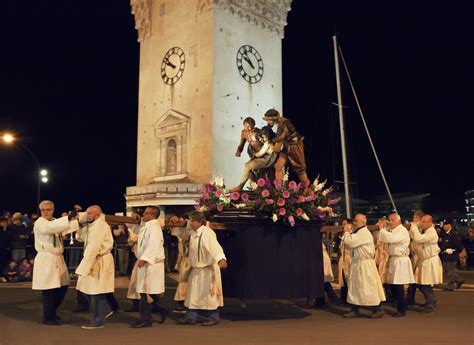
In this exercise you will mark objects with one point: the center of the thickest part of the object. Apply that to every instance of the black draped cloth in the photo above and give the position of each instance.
(272, 260)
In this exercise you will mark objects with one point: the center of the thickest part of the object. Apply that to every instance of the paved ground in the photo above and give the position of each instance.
(263, 322)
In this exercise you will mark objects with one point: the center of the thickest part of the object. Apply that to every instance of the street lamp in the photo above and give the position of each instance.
(8, 139)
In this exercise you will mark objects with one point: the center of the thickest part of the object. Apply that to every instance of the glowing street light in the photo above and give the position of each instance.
(8, 138)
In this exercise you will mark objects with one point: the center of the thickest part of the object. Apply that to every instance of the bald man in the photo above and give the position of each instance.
(429, 270)
(399, 269)
(365, 287)
(96, 270)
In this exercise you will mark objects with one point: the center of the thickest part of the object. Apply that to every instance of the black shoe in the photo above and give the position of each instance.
(141, 324)
(377, 314)
(52, 322)
(399, 314)
(186, 322)
(427, 311)
(210, 323)
(460, 284)
(92, 325)
(411, 302)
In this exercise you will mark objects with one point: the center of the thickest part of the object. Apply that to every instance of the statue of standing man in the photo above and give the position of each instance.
(289, 143)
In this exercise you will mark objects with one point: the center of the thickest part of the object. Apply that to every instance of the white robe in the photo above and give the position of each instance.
(151, 277)
(327, 267)
(364, 285)
(429, 269)
(183, 234)
(399, 269)
(133, 231)
(49, 270)
(204, 283)
(96, 269)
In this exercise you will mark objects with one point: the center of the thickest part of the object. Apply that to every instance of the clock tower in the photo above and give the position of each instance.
(205, 65)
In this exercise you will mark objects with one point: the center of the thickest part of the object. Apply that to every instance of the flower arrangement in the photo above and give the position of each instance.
(213, 196)
(288, 201)
(283, 200)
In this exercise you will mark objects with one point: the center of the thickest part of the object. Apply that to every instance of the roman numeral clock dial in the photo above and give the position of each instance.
(172, 66)
(249, 64)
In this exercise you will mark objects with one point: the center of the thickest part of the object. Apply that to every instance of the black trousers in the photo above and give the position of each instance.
(398, 294)
(52, 299)
(427, 291)
(344, 289)
(146, 308)
(411, 293)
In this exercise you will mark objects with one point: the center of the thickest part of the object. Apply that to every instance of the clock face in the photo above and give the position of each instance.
(172, 67)
(250, 64)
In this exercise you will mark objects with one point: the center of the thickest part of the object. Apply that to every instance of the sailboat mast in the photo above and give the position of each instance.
(342, 131)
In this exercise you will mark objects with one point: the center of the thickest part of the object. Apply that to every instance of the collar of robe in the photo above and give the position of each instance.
(355, 231)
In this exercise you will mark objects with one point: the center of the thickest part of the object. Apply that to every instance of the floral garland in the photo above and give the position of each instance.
(283, 200)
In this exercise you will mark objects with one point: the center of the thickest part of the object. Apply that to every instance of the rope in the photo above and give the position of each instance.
(367, 131)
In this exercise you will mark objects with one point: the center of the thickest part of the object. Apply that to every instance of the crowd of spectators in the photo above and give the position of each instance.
(17, 250)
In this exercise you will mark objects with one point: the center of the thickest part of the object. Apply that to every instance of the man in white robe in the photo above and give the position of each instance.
(415, 251)
(151, 267)
(50, 274)
(204, 291)
(399, 269)
(429, 270)
(96, 270)
(365, 287)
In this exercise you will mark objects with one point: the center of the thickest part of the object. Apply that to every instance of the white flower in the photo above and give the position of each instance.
(224, 199)
(253, 185)
(240, 205)
(219, 181)
(326, 191)
(285, 177)
(275, 217)
(320, 186)
(202, 209)
(316, 181)
(305, 216)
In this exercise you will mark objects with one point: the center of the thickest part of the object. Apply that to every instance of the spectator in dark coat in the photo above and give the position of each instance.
(450, 245)
(5, 241)
(20, 237)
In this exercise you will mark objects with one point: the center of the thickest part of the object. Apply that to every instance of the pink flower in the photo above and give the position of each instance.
(291, 219)
(265, 193)
(301, 199)
(234, 196)
(292, 185)
(332, 202)
(270, 201)
(277, 183)
(286, 194)
(282, 211)
(261, 182)
(322, 216)
(258, 202)
(218, 192)
(220, 207)
(299, 212)
(245, 197)
(281, 202)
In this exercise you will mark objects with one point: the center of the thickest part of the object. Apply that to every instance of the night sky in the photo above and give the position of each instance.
(69, 90)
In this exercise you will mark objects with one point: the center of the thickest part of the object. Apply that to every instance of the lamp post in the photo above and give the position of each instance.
(42, 174)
